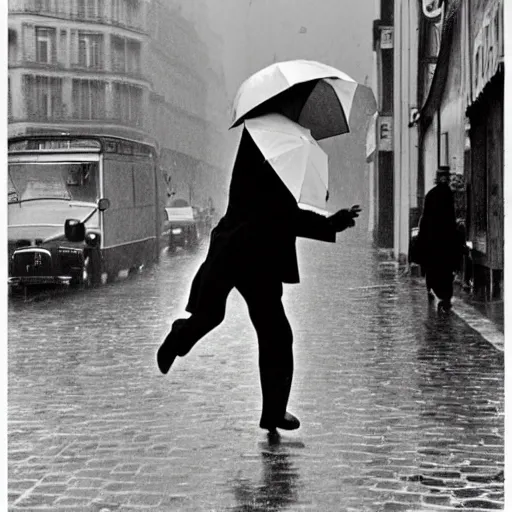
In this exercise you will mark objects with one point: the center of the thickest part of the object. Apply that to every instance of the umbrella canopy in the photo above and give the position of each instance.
(295, 156)
(315, 95)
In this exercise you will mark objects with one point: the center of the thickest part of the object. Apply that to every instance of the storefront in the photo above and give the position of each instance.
(485, 200)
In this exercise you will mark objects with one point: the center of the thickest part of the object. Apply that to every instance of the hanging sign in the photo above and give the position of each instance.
(487, 47)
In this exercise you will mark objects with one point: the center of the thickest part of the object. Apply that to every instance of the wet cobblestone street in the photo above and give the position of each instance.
(401, 409)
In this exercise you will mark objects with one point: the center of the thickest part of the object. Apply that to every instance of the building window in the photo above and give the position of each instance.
(90, 50)
(9, 99)
(132, 12)
(127, 12)
(13, 47)
(89, 9)
(45, 45)
(43, 97)
(102, 9)
(41, 5)
(126, 55)
(89, 99)
(128, 103)
(118, 11)
(118, 55)
(81, 10)
(133, 56)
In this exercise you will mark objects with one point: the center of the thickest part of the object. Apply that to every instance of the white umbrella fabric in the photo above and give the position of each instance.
(321, 96)
(295, 156)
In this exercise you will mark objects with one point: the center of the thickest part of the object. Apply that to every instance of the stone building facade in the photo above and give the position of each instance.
(133, 68)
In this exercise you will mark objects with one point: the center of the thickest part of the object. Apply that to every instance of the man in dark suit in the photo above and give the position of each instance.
(439, 243)
(253, 250)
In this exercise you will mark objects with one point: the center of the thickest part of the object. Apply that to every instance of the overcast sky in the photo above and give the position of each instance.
(257, 32)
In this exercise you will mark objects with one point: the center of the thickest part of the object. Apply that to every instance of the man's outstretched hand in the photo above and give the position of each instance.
(344, 218)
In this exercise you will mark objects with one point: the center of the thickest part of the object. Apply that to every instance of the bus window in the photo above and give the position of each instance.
(81, 181)
(66, 181)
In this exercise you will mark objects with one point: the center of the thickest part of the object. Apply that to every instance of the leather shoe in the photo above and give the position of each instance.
(289, 422)
(170, 348)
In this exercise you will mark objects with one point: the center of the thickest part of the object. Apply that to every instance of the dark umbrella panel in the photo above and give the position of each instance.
(316, 96)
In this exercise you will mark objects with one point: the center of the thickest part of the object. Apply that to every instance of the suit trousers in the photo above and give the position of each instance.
(262, 291)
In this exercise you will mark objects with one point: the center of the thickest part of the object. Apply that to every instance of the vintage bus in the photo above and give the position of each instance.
(81, 208)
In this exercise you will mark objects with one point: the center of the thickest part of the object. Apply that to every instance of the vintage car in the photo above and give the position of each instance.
(182, 226)
(71, 259)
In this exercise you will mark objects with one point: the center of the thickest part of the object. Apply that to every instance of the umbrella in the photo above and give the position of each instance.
(295, 156)
(315, 95)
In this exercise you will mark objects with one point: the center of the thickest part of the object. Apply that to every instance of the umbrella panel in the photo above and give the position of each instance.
(294, 155)
(289, 102)
(315, 182)
(315, 105)
(322, 113)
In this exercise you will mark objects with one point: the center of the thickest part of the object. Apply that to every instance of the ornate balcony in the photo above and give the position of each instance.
(127, 14)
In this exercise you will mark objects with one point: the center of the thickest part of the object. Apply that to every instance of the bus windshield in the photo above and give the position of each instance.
(65, 181)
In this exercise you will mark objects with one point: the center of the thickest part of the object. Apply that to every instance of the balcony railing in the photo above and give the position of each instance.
(60, 119)
(64, 11)
(77, 70)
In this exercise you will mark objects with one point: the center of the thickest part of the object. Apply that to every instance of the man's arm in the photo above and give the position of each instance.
(316, 226)
(313, 225)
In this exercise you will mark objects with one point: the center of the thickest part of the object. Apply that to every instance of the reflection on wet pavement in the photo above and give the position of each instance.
(277, 487)
(401, 409)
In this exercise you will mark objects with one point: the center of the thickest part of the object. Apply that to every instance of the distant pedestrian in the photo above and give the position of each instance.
(438, 242)
(253, 250)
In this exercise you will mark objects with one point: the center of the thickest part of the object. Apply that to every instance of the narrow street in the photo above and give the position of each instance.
(401, 409)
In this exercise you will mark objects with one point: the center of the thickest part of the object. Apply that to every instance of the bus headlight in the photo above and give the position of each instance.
(92, 239)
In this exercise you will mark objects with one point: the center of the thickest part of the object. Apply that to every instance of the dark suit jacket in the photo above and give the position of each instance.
(263, 219)
(438, 237)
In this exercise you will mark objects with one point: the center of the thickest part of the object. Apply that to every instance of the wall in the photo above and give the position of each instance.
(405, 136)
(452, 106)
(430, 156)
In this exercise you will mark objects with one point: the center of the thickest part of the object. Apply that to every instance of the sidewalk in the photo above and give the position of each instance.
(485, 317)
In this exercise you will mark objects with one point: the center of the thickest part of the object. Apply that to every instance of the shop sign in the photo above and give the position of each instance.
(385, 133)
(488, 47)
(386, 38)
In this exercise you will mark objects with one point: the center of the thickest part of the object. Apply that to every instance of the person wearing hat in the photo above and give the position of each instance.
(438, 241)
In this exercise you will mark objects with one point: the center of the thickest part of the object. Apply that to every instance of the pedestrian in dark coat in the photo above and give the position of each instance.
(253, 250)
(439, 240)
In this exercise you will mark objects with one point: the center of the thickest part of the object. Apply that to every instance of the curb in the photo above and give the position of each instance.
(479, 323)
